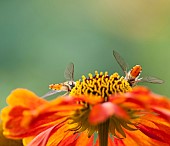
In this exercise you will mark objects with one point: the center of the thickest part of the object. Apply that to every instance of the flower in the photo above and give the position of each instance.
(101, 110)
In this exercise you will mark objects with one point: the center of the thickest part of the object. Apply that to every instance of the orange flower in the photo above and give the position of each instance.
(93, 115)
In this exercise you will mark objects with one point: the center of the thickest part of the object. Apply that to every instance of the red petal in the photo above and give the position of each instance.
(156, 134)
(118, 142)
(125, 99)
(164, 113)
(71, 140)
(150, 99)
(102, 112)
(42, 138)
(137, 138)
(91, 141)
(141, 90)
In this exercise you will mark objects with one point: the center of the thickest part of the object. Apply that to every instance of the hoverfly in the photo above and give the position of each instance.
(65, 86)
(132, 76)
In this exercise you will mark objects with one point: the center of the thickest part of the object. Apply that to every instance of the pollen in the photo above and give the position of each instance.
(101, 84)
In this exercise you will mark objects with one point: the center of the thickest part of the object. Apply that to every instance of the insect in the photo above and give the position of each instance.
(132, 76)
(65, 86)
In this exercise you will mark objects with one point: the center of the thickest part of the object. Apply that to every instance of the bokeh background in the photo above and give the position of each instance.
(39, 38)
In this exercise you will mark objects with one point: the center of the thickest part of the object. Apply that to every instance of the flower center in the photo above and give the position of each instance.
(101, 85)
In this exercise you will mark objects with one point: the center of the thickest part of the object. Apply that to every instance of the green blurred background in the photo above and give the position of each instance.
(39, 38)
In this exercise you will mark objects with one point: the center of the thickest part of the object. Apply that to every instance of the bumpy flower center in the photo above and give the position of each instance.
(101, 85)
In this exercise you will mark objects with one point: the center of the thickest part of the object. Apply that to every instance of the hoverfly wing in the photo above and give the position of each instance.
(69, 72)
(151, 79)
(52, 92)
(120, 61)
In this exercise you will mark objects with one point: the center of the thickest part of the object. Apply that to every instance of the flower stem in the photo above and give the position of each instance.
(103, 133)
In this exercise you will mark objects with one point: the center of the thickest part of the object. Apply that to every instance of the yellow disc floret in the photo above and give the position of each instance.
(101, 85)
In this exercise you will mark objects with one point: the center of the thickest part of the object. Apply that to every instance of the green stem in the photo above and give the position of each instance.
(103, 129)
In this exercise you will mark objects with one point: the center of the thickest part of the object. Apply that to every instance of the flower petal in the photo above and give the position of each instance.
(118, 142)
(164, 113)
(71, 140)
(83, 139)
(154, 133)
(29, 115)
(52, 136)
(137, 138)
(144, 95)
(91, 99)
(42, 138)
(101, 112)
(24, 98)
